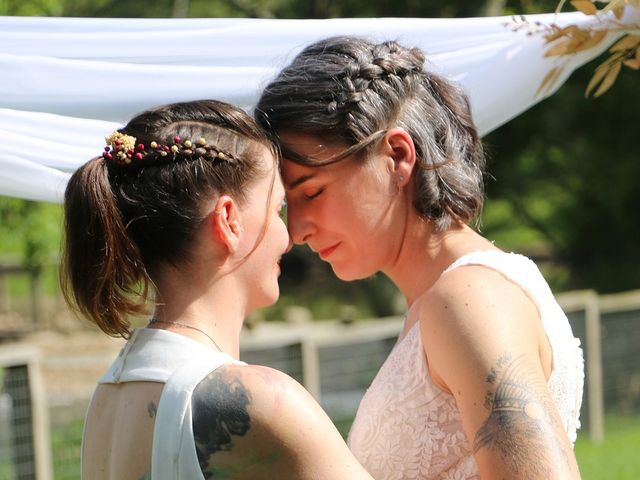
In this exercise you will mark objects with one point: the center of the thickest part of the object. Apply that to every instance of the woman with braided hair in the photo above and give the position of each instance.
(382, 167)
(184, 203)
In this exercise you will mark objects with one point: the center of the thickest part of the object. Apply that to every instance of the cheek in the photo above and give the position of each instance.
(283, 233)
(277, 235)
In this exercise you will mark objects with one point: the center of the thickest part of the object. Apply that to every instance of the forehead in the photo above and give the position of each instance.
(268, 172)
(309, 145)
(312, 147)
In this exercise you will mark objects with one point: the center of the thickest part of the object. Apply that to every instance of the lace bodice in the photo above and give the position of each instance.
(408, 428)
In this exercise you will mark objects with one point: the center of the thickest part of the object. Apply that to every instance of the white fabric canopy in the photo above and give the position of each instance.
(67, 82)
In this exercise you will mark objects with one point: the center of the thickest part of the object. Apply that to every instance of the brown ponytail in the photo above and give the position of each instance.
(102, 274)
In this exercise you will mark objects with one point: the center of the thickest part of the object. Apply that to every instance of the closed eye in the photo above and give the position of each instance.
(314, 195)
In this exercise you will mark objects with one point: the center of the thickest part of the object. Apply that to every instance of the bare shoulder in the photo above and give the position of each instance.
(471, 299)
(254, 385)
(472, 316)
(237, 399)
(252, 421)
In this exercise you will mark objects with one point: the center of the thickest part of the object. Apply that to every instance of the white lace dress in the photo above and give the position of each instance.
(408, 428)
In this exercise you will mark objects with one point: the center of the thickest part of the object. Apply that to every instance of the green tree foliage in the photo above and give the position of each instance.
(569, 170)
(29, 231)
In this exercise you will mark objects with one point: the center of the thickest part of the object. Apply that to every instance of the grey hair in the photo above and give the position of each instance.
(348, 89)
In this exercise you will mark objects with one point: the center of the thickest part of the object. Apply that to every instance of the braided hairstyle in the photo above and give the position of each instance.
(139, 205)
(349, 90)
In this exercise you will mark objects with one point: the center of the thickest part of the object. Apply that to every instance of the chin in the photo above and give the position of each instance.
(267, 298)
(347, 275)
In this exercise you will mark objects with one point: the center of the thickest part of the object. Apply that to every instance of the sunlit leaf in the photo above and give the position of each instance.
(633, 64)
(568, 31)
(618, 12)
(585, 6)
(548, 80)
(593, 40)
(617, 4)
(584, 40)
(578, 41)
(554, 34)
(600, 73)
(609, 80)
(559, 49)
(627, 42)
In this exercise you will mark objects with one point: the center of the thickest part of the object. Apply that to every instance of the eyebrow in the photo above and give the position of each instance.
(299, 181)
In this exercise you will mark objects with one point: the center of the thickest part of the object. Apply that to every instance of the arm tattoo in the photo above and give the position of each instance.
(220, 410)
(519, 427)
(152, 409)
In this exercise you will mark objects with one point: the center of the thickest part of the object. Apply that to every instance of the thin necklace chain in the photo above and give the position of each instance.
(184, 325)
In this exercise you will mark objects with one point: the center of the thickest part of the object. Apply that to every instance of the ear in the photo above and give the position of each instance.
(399, 148)
(225, 220)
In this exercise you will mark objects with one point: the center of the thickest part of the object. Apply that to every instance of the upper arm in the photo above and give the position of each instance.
(482, 336)
(256, 422)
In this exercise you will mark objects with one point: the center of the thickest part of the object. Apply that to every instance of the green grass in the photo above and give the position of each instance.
(618, 457)
(66, 442)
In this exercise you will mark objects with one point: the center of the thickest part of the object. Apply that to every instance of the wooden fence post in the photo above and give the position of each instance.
(311, 365)
(588, 301)
(594, 368)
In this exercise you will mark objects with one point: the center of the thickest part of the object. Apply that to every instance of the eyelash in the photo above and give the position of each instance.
(314, 195)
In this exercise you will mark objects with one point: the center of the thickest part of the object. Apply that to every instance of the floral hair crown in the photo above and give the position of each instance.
(122, 150)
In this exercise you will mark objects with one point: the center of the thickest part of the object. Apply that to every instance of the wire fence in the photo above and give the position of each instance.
(24, 427)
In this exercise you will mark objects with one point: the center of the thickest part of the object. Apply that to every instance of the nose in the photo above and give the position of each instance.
(299, 224)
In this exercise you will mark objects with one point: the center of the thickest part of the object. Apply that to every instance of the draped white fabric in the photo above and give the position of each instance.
(67, 82)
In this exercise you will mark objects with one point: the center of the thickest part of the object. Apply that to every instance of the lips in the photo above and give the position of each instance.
(325, 252)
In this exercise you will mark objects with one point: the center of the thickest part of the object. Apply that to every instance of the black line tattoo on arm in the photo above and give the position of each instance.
(520, 427)
(220, 411)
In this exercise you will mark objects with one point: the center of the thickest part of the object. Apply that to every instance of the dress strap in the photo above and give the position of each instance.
(174, 454)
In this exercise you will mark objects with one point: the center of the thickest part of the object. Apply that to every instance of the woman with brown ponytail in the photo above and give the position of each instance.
(382, 167)
(181, 211)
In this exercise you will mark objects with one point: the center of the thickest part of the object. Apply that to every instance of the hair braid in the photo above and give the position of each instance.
(346, 89)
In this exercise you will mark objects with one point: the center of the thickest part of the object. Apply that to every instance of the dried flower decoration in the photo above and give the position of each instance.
(120, 147)
(572, 39)
(122, 150)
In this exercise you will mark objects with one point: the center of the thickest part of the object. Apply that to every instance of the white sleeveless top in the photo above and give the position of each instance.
(406, 427)
(180, 363)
